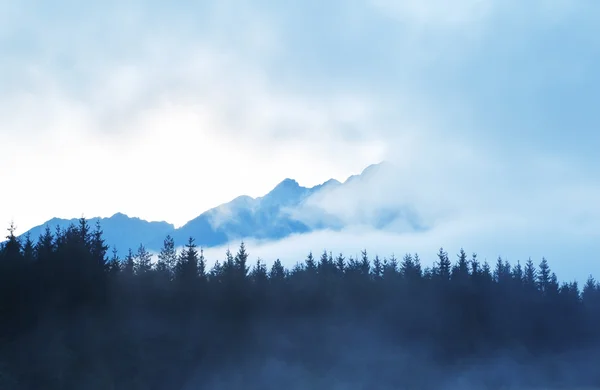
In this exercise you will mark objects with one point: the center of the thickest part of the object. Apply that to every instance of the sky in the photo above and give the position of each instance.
(162, 110)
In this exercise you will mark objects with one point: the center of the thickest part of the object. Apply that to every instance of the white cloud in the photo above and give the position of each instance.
(468, 197)
(170, 131)
(490, 236)
(164, 112)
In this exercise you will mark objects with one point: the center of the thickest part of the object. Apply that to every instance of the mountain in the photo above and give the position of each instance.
(120, 230)
(287, 209)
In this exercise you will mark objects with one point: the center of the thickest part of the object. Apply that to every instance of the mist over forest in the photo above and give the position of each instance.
(74, 315)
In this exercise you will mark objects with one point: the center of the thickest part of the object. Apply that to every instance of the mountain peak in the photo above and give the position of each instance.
(286, 188)
(328, 184)
(375, 167)
(288, 191)
(287, 183)
(119, 215)
(331, 182)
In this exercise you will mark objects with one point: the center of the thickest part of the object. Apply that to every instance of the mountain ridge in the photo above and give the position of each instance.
(283, 211)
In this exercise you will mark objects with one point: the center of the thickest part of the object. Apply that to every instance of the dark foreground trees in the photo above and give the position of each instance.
(73, 315)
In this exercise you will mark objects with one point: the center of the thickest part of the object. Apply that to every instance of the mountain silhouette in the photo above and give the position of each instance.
(287, 209)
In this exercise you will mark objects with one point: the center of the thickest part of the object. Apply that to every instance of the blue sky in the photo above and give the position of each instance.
(163, 110)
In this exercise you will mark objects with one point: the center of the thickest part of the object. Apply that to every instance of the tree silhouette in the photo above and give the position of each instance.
(72, 318)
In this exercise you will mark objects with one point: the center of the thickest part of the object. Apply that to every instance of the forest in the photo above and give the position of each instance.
(73, 315)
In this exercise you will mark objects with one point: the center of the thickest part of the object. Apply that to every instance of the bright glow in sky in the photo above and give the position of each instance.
(163, 110)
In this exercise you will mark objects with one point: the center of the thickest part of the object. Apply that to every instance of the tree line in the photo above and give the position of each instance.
(73, 314)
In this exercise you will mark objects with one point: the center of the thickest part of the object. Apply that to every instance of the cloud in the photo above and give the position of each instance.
(163, 111)
(490, 236)
(144, 104)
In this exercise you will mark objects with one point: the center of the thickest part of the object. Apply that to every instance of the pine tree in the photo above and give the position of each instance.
(83, 231)
(502, 272)
(365, 263)
(167, 258)
(98, 247)
(530, 276)
(44, 248)
(460, 271)
(475, 266)
(590, 289)
(486, 272)
(228, 266)
(277, 273)
(11, 250)
(377, 268)
(258, 274)
(323, 266)
(28, 249)
(311, 265)
(216, 273)
(114, 264)
(518, 274)
(129, 264)
(418, 268)
(143, 261)
(544, 276)
(408, 268)
(340, 264)
(241, 260)
(202, 265)
(442, 267)
(553, 286)
(187, 266)
(390, 268)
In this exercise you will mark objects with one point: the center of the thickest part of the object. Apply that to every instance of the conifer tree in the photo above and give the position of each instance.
(258, 274)
(241, 260)
(518, 274)
(502, 272)
(228, 267)
(486, 272)
(323, 267)
(11, 250)
(187, 268)
(530, 276)
(129, 264)
(28, 249)
(365, 263)
(340, 264)
(216, 273)
(277, 272)
(544, 276)
(114, 264)
(442, 266)
(409, 268)
(44, 248)
(202, 265)
(377, 268)
(98, 247)
(310, 264)
(460, 271)
(167, 258)
(83, 231)
(590, 289)
(143, 261)
(390, 268)
(475, 266)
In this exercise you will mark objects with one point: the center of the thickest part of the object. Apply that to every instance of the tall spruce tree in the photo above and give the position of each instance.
(167, 258)
(143, 261)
